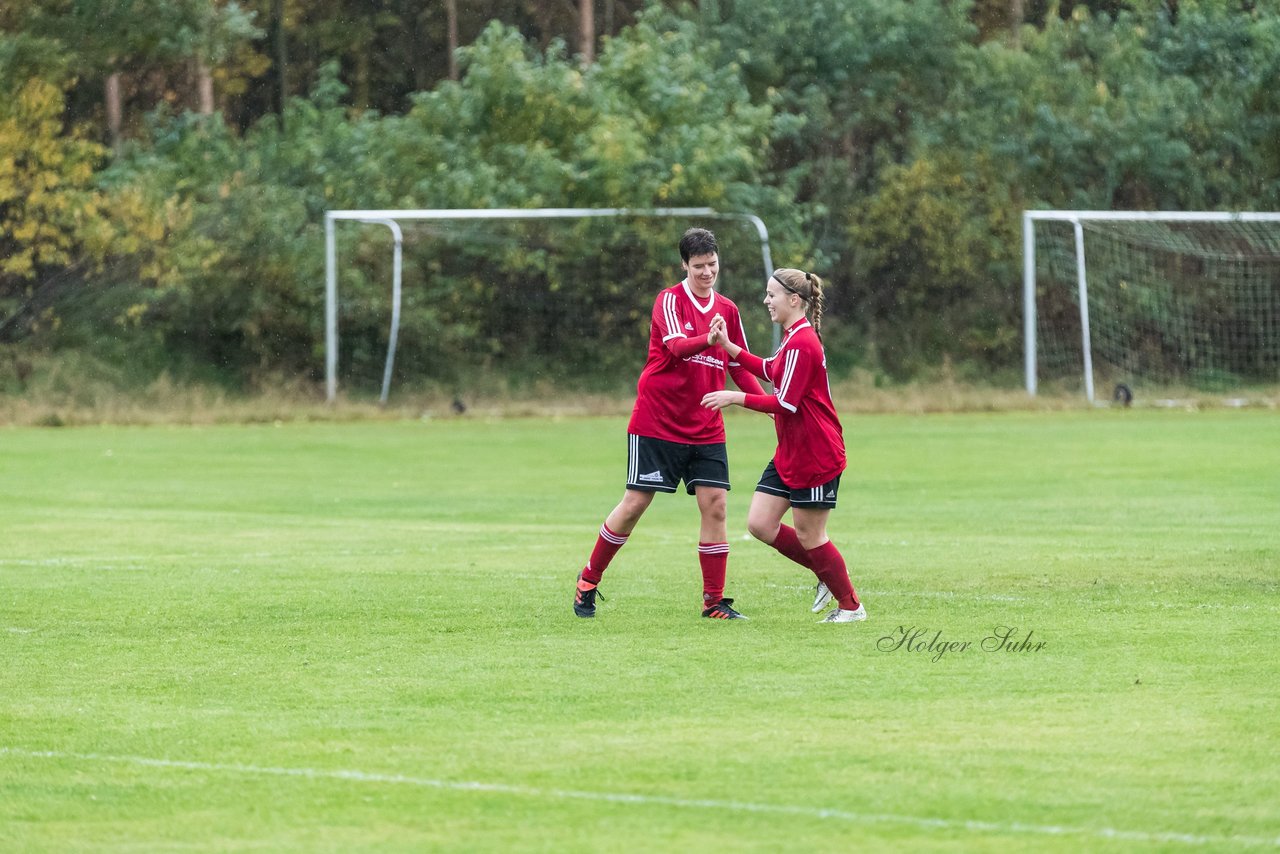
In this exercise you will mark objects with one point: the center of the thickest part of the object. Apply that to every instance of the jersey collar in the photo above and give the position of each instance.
(711, 299)
(797, 326)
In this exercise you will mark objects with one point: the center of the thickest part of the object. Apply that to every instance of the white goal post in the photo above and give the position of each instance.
(1266, 248)
(392, 219)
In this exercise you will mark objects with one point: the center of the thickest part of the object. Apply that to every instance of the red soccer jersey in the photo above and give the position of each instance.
(669, 394)
(810, 439)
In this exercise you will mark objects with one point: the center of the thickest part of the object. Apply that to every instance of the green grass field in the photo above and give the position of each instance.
(326, 637)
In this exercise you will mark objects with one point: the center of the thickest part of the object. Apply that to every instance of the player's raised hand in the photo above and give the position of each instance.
(718, 332)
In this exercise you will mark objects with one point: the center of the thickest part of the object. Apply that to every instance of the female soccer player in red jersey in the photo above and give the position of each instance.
(671, 437)
(804, 475)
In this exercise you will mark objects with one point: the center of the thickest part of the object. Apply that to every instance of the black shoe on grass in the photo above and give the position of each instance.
(584, 598)
(723, 610)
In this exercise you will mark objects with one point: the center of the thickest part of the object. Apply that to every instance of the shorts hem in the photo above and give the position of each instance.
(648, 487)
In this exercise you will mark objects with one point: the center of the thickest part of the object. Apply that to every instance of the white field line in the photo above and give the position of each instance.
(811, 812)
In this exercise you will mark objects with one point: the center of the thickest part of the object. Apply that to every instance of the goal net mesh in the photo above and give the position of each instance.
(495, 306)
(1172, 305)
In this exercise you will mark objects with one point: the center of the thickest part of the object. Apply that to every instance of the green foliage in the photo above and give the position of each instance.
(228, 234)
(1125, 113)
(851, 96)
(934, 238)
(848, 82)
(109, 35)
(1092, 113)
(886, 145)
(234, 276)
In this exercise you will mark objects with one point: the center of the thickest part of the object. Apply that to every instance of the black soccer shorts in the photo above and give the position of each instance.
(816, 498)
(655, 465)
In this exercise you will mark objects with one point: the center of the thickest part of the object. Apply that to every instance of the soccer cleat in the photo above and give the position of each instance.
(584, 598)
(722, 610)
(840, 615)
(821, 596)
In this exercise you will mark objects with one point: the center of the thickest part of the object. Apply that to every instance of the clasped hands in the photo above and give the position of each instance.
(718, 333)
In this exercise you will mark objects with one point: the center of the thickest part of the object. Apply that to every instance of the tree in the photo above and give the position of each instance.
(587, 31)
(106, 40)
(451, 40)
(48, 204)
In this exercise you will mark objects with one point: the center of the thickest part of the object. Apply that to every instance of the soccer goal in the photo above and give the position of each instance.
(1154, 300)
(517, 274)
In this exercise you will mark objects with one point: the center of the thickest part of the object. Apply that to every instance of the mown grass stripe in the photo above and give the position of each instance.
(921, 822)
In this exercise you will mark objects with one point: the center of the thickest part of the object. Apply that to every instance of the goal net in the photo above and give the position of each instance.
(1162, 303)
(495, 301)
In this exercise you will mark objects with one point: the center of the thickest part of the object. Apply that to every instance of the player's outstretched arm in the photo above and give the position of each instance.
(685, 347)
(722, 399)
(766, 403)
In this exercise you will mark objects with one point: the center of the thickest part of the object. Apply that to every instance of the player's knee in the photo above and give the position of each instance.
(763, 529)
(762, 526)
(810, 537)
(633, 505)
(714, 507)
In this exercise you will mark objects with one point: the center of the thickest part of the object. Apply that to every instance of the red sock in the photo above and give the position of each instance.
(788, 545)
(828, 563)
(607, 545)
(714, 558)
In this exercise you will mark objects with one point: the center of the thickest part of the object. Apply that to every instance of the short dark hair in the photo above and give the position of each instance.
(697, 241)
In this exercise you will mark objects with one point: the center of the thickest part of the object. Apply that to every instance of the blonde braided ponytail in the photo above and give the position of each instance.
(808, 287)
